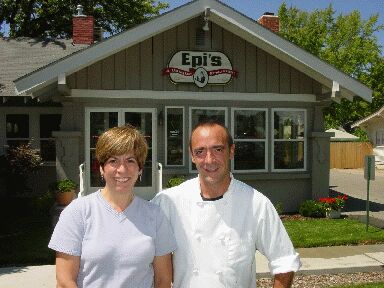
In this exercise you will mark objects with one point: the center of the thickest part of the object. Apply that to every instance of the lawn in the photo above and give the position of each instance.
(316, 232)
(24, 233)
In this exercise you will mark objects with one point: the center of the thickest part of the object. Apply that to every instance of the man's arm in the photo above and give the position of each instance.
(283, 280)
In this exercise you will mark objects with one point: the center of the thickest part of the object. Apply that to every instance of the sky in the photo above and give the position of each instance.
(255, 8)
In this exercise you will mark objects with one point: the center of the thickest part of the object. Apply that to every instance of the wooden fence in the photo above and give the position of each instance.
(349, 155)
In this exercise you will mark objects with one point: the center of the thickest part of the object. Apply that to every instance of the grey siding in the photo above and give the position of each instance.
(140, 67)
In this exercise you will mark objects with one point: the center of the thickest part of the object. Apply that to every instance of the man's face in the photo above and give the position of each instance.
(211, 154)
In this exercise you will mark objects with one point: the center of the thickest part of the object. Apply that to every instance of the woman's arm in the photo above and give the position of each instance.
(162, 266)
(67, 268)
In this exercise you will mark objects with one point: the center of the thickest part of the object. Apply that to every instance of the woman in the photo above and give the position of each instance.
(113, 238)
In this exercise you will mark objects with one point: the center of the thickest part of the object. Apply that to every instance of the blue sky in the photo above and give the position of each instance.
(255, 8)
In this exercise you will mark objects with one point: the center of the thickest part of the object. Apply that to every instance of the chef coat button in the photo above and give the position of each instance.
(198, 238)
(200, 204)
(218, 272)
(195, 271)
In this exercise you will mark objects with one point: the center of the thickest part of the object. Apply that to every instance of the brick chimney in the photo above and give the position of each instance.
(270, 21)
(83, 27)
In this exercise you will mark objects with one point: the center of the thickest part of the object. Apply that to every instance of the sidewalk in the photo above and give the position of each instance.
(322, 260)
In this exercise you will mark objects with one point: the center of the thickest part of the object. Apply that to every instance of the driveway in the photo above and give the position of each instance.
(352, 183)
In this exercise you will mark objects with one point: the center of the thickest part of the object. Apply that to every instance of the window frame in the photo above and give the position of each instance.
(304, 140)
(166, 136)
(379, 132)
(265, 140)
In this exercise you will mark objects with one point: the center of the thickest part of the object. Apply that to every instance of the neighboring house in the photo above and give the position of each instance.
(374, 126)
(24, 118)
(342, 136)
(201, 60)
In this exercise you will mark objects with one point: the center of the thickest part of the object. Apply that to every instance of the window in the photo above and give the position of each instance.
(174, 139)
(249, 132)
(17, 129)
(289, 139)
(48, 123)
(202, 114)
(380, 137)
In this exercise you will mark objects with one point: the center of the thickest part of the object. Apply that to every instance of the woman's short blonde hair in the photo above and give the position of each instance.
(121, 140)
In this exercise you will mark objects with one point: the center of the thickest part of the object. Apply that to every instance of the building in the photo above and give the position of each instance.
(201, 60)
(374, 126)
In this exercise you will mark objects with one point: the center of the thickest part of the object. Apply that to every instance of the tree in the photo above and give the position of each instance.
(347, 42)
(53, 18)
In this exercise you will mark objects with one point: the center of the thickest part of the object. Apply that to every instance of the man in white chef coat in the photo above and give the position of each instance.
(220, 222)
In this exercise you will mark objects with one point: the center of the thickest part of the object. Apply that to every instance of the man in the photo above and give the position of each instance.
(220, 222)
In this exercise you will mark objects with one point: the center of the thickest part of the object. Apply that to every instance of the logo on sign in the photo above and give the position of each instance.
(201, 68)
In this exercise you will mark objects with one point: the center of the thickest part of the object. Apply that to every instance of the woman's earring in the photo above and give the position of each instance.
(140, 177)
(102, 177)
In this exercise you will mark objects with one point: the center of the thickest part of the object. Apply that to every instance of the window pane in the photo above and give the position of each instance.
(249, 155)
(200, 115)
(99, 122)
(48, 150)
(17, 126)
(249, 124)
(175, 136)
(289, 125)
(289, 155)
(49, 123)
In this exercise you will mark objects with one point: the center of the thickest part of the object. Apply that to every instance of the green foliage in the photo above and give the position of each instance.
(312, 208)
(175, 180)
(43, 203)
(66, 185)
(23, 160)
(39, 18)
(279, 208)
(347, 42)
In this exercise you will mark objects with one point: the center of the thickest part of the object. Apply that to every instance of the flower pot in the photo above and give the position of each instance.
(64, 198)
(333, 214)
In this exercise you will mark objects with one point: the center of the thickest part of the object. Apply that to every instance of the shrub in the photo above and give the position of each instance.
(279, 208)
(23, 159)
(175, 180)
(311, 208)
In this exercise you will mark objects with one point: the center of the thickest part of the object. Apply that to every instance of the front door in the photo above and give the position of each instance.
(101, 119)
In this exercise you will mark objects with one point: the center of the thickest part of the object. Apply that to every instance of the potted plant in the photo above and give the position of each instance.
(65, 191)
(333, 205)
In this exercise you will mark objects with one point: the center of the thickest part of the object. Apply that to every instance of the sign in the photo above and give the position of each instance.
(200, 67)
(369, 167)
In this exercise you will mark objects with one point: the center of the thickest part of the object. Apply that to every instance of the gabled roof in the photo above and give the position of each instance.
(366, 120)
(340, 135)
(337, 82)
(23, 55)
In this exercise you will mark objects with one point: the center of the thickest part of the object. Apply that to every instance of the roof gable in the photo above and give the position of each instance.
(378, 114)
(340, 84)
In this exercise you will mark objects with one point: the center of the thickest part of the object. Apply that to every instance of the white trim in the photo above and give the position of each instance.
(220, 14)
(142, 191)
(188, 95)
(265, 140)
(190, 127)
(305, 139)
(166, 138)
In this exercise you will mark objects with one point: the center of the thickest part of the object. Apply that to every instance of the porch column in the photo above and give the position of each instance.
(67, 154)
(320, 143)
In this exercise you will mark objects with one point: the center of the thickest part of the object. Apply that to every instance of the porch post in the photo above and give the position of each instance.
(67, 154)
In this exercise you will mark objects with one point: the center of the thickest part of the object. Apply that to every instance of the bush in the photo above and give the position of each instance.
(312, 208)
(279, 208)
(175, 180)
(66, 185)
(23, 159)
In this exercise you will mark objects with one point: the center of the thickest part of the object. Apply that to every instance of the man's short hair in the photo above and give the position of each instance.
(210, 123)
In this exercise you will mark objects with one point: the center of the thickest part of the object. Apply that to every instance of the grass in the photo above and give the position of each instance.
(317, 232)
(24, 233)
(366, 285)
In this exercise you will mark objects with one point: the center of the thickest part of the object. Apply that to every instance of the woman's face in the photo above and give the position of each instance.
(121, 173)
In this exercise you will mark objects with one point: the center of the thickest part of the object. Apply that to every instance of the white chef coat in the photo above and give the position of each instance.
(217, 240)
